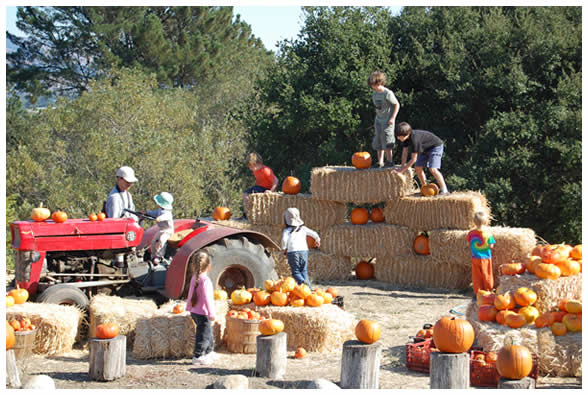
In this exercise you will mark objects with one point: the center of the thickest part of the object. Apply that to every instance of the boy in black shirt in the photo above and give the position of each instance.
(426, 151)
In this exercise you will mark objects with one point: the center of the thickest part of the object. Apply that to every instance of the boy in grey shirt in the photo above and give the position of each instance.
(387, 107)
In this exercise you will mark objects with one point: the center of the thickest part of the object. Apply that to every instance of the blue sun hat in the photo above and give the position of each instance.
(164, 200)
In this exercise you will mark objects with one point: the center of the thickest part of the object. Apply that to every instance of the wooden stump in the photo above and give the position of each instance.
(271, 355)
(524, 383)
(108, 358)
(448, 370)
(360, 365)
(12, 375)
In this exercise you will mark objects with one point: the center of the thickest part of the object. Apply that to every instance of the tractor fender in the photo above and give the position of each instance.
(176, 273)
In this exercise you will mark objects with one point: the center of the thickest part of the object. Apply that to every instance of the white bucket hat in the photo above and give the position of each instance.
(127, 174)
(292, 217)
(164, 200)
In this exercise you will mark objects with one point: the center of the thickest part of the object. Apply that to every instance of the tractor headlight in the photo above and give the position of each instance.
(131, 236)
(35, 256)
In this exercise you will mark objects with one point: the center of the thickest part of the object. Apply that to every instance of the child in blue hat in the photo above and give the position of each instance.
(165, 224)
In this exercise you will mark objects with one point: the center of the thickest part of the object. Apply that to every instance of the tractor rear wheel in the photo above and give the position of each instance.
(238, 262)
(64, 294)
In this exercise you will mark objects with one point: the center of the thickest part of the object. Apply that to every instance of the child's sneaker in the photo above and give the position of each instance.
(212, 356)
(201, 360)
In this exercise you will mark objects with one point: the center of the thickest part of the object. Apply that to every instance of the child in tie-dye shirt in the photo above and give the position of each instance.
(481, 242)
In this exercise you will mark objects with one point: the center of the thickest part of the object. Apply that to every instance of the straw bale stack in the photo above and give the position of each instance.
(350, 185)
(371, 239)
(268, 209)
(549, 292)
(512, 244)
(421, 271)
(321, 266)
(556, 355)
(453, 211)
(274, 232)
(169, 335)
(57, 325)
(322, 329)
(125, 312)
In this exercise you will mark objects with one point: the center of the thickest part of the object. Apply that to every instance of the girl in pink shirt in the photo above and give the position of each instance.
(200, 304)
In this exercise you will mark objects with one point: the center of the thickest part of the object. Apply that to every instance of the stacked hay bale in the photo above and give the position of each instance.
(57, 325)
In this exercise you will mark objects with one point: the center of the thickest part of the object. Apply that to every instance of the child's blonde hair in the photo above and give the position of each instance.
(377, 78)
(481, 218)
(198, 264)
(254, 159)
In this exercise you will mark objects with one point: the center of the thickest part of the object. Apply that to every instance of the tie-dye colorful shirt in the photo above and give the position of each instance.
(480, 242)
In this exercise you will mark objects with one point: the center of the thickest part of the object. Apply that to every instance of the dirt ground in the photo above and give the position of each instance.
(400, 311)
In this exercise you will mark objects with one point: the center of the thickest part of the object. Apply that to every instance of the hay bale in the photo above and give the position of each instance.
(274, 232)
(348, 184)
(512, 244)
(549, 292)
(371, 239)
(169, 335)
(268, 208)
(321, 266)
(556, 355)
(322, 329)
(125, 312)
(453, 211)
(57, 325)
(421, 271)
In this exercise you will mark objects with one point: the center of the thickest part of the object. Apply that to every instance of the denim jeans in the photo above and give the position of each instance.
(298, 261)
(204, 338)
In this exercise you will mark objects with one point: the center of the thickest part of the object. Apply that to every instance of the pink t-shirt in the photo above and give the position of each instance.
(205, 303)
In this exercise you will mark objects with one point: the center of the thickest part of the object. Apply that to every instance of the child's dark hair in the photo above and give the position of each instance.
(198, 265)
(403, 129)
(377, 78)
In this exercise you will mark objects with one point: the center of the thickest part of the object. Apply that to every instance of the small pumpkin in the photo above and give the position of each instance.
(572, 322)
(288, 284)
(279, 298)
(271, 327)
(530, 313)
(241, 296)
(359, 216)
(430, 189)
(314, 300)
(310, 242)
(368, 331)
(558, 329)
(93, 217)
(301, 291)
(220, 294)
(40, 214)
(59, 216)
(532, 262)
(514, 362)
(9, 301)
(300, 353)
(108, 330)
(261, 298)
(554, 253)
(558, 315)
(525, 296)
(544, 320)
(504, 301)
(453, 335)
(485, 297)
(487, 312)
(365, 270)
(221, 213)
(179, 308)
(511, 269)
(291, 185)
(377, 215)
(297, 302)
(569, 267)
(547, 271)
(20, 295)
(10, 338)
(361, 160)
(576, 252)
(327, 298)
(332, 291)
(501, 316)
(573, 306)
(491, 357)
(101, 216)
(421, 245)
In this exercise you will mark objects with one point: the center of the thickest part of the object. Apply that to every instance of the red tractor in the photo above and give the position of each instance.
(67, 263)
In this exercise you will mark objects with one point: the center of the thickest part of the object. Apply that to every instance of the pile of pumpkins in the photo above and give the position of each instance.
(283, 292)
(517, 310)
(549, 261)
(40, 214)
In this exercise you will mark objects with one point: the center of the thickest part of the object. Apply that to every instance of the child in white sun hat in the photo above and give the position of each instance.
(165, 224)
(294, 244)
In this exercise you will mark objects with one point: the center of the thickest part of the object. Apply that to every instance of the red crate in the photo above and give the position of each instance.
(486, 375)
(418, 355)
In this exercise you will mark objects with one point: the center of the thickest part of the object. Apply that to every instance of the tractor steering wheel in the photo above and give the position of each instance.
(141, 216)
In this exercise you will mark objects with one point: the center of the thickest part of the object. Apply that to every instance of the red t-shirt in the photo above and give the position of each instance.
(264, 177)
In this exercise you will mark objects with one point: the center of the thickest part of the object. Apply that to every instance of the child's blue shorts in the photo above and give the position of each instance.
(431, 158)
(256, 189)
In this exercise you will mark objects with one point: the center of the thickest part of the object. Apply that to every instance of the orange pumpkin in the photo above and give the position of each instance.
(515, 320)
(487, 313)
(453, 335)
(558, 329)
(558, 315)
(314, 300)
(310, 242)
(576, 252)
(301, 291)
(359, 216)
(271, 327)
(485, 297)
(261, 298)
(547, 271)
(421, 245)
(572, 322)
(491, 357)
(93, 217)
(377, 215)
(531, 262)
(291, 185)
(221, 213)
(9, 301)
(569, 267)
(530, 313)
(10, 338)
(501, 316)
(514, 362)
(361, 160)
(300, 353)
(108, 330)
(101, 216)
(327, 298)
(20, 295)
(368, 331)
(179, 308)
(364, 270)
(279, 298)
(332, 291)
(544, 320)
(40, 214)
(573, 306)
(525, 296)
(511, 269)
(288, 284)
(554, 253)
(504, 301)
(537, 250)
(297, 302)
(59, 216)
(429, 189)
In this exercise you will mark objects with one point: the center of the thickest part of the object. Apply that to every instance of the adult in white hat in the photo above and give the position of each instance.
(165, 225)
(120, 198)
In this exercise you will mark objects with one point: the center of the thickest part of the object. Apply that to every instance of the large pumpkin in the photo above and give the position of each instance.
(514, 362)
(10, 339)
(453, 335)
(221, 213)
(361, 160)
(368, 331)
(364, 270)
(359, 216)
(421, 245)
(40, 214)
(377, 215)
(59, 216)
(107, 330)
(241, 296)
(291, 185)
(429, 189)
(271, 327)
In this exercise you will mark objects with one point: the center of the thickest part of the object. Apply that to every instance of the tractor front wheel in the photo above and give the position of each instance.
(64, 294)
